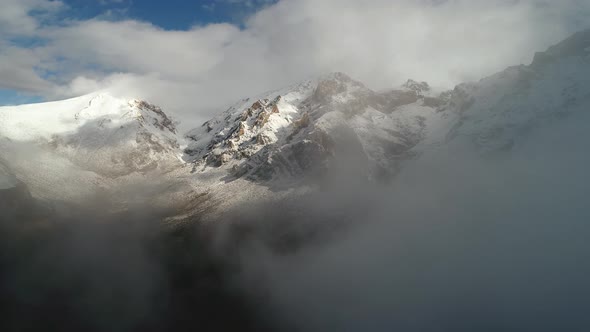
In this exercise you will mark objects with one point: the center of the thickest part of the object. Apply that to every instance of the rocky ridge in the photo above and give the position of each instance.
(313, 127)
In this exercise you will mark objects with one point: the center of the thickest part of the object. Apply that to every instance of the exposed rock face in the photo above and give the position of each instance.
(337, 84)
(249, 132)
(314, 128)
(161, 120)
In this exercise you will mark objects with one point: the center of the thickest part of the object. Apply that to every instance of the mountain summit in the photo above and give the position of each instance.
(332, 122)
(72, 148)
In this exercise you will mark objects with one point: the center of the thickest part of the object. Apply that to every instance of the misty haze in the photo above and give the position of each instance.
(295, 165)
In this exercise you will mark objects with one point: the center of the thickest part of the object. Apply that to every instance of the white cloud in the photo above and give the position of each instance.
(137, 47)
(380, 42)
(16, 19)
(17, 66)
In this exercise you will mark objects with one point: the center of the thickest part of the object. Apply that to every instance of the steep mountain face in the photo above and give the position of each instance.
(330, 124)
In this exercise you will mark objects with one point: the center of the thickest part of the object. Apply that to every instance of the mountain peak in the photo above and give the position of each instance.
(335, 76)
(98, 131)
(302, 129)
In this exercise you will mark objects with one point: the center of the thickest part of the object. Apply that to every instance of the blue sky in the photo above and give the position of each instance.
(13, 97)
(167, 15)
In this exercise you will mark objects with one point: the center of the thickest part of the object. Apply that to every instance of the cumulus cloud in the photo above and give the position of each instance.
(137, 47)
(17, 67)
(21, 17)
(195, 72)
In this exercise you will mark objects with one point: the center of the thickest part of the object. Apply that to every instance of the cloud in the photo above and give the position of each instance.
(193, 72)
(460, 243)
(141, 48)
(21, 17)
(17, 67)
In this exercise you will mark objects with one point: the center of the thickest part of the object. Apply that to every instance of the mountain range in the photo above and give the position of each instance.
(280, 144)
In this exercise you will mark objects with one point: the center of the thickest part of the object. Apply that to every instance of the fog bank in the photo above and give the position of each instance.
(461, 242)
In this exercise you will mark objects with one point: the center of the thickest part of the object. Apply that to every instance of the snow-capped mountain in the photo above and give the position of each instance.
(72, 149)
(328, 126)
(324, 125)
(98, 132)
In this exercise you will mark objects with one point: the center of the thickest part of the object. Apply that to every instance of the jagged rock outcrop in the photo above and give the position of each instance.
(297, 131)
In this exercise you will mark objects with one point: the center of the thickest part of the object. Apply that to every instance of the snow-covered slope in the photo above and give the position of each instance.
(98, 132)
(496, 111)
(332, 123)
(71, 149)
